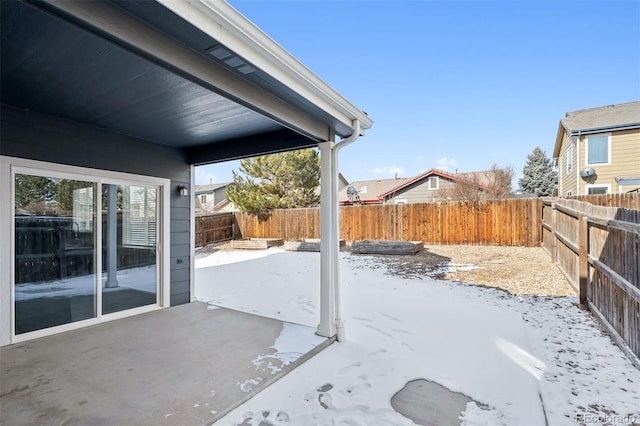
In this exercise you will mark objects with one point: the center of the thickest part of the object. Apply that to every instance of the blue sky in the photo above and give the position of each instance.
(459, 85)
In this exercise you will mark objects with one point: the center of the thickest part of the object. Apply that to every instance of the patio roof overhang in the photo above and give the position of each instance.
(196, 76)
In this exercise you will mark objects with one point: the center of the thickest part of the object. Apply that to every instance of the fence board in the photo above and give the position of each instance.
(610, 248)
(214, 228)
(628, 201)
(515, 222)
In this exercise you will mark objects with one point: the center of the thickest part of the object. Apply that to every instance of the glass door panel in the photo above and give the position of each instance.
(55, 252)
(129, 273)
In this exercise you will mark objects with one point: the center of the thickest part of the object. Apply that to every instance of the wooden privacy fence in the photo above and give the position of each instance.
(597, 249)
(513, 222)
(214, 228)
(628, 201)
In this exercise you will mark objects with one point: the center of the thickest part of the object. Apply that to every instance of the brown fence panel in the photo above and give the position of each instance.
(515, 222)
(214, 228)
(628, 201)
(611, 271)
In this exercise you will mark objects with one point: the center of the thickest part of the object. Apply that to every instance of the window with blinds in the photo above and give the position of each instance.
(138, 216)
(598, 149)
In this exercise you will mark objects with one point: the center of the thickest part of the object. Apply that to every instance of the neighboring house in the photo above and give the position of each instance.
(425, 187)
(213, 198)
(597, 150)
(118, 101)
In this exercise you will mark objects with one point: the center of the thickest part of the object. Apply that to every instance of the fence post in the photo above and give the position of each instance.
(554, 240)
(583, 261)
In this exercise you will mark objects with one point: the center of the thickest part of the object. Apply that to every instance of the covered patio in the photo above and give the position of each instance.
(188, 365)
(106, 108)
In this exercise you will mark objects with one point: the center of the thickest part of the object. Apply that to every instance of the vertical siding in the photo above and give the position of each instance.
(39, 137)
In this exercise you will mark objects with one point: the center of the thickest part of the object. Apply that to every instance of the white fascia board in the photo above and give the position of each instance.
(225, 24)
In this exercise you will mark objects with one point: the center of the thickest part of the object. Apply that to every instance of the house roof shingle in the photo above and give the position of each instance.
(370, 190)
(606, 117)
(201, 189)
(600, 119)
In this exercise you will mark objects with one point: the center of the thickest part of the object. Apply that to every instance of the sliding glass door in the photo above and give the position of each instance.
(129, 234)
(55, 252)
(83, 248)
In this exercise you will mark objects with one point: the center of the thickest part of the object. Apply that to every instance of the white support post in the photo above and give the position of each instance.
(328, 257)
(334, 244)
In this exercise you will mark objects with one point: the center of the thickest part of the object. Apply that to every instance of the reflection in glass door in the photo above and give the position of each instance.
(129, 278)
(61, 241)
(55, 252)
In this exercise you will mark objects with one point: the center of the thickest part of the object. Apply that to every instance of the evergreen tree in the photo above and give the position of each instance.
(276, 181)
(31, 190)
(538, 176)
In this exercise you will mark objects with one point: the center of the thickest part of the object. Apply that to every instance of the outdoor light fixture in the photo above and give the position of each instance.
(183, 190)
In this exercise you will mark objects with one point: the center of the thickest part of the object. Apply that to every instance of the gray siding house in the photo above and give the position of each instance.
(106, 107)
(424, 188)
(211, 198)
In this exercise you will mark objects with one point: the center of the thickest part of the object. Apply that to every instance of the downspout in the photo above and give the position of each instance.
(335, 240)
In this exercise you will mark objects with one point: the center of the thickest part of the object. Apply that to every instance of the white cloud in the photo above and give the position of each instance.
(393, 170)
(445, 163)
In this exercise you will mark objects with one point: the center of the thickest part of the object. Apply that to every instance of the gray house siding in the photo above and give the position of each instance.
(35, 136)
(419, 192)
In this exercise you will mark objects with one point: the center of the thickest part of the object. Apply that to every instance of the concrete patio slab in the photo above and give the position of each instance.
(186, 365)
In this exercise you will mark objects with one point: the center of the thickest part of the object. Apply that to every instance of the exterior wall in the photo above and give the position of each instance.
(38, 137)
(567, 180)
(219, 195)
(624, 162)
(419, 192)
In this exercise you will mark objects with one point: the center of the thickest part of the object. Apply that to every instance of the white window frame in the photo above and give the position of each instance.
(429, 186)
(586, 149)
(597, 185)
(570, 193)
(9, 166)
(569, 155)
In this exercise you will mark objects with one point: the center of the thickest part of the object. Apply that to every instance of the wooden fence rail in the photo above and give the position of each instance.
(513, 222)
(214, 228)
(628, 201)
(597, 249)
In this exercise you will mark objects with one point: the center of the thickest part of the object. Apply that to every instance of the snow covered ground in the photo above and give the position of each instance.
(142, 278)
(521, 359)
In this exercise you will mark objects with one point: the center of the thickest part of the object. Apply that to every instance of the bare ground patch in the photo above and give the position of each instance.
(518, 270)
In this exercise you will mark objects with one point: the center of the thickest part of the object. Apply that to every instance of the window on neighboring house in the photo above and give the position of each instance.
(597, 190)
(598, 149)
(203, 199)
(569, 158)
(433, 182)
(569, 193)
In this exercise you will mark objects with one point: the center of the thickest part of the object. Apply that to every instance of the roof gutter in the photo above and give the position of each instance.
(593, 130)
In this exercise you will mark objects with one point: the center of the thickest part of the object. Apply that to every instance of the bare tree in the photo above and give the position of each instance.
(474, 187)
(499, 179)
